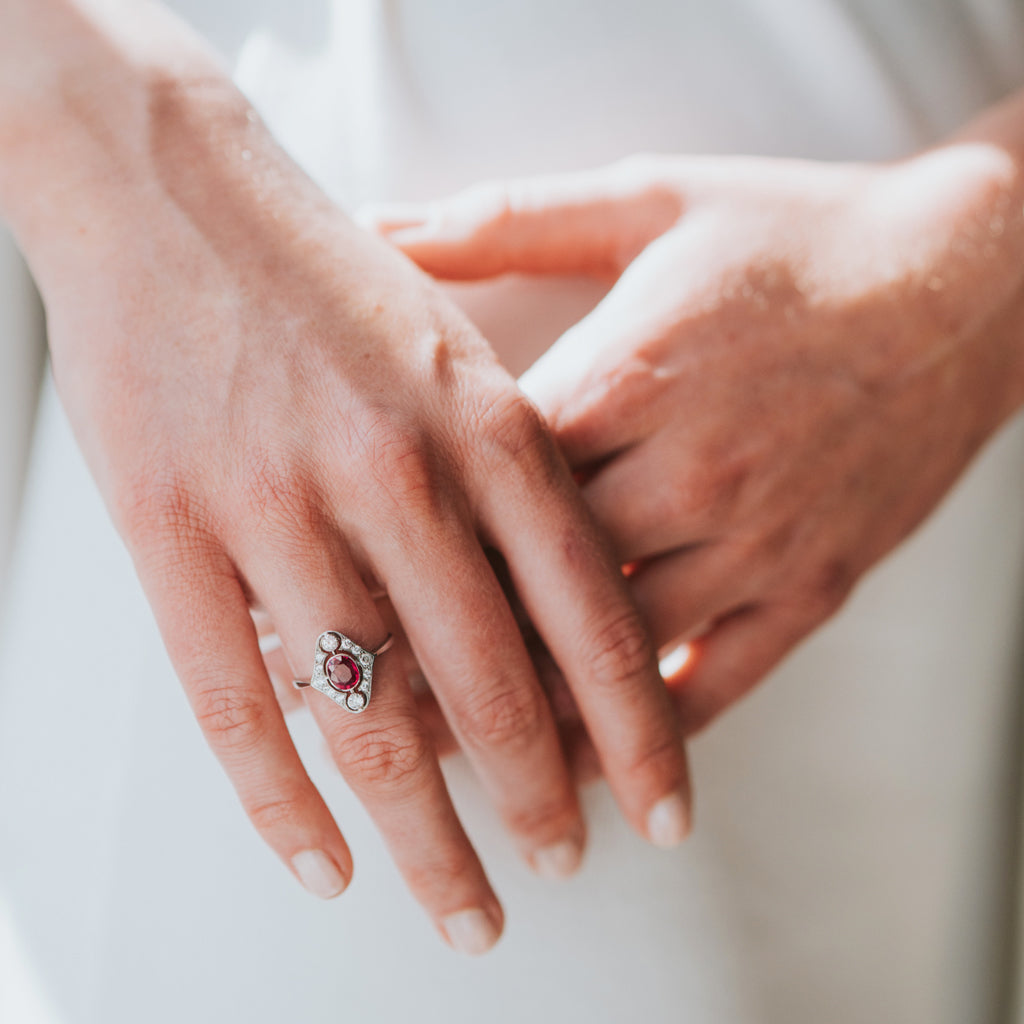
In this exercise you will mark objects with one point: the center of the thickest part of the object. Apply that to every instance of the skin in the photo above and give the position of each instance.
(285, 416)
(793, 365)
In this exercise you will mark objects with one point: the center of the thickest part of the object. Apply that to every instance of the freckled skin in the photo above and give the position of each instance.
(795, 364)
(282, 414)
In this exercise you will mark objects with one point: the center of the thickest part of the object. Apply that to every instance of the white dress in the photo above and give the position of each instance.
(855, 856)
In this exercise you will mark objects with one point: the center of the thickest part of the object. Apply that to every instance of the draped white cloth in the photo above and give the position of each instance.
(856, 851)
(21, 355)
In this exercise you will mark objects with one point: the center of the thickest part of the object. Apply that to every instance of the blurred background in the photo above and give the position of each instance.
(22, 358)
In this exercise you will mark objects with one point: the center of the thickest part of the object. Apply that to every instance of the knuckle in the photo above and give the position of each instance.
(159, 505)
(268, 815)
(402, 463)
(231, 719)
(506, 717)
(508, 430)
(553, 817)
(275, 493)
(434, 879)
(620, 650)
(684, 498)
(777, 543)
(389, 759)
(658, 761)
(693, 494)
(829, 586)
(713, 488)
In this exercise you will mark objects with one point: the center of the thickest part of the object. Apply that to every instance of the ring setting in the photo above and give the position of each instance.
(343, 671)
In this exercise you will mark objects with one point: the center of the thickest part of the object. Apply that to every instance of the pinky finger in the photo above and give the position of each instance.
(211, 639)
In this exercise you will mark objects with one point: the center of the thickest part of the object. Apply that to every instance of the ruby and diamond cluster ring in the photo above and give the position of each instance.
(343, 671)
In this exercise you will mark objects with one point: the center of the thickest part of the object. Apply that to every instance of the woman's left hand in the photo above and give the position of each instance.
(795, 363)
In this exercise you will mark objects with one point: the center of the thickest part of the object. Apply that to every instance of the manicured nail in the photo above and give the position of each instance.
(675, 661)
(471, 931)
(559, 860)
(668, 822)
(388, 217)
(319, 874)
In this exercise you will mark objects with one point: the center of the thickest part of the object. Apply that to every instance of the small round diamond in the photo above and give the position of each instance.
(330, 641)
(355, 701)
(365, 659)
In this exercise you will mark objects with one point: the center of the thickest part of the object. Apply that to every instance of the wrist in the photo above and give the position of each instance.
(993, 234)
(953, 219)
(83, 88)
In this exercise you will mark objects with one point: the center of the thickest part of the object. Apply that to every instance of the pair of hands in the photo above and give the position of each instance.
(285, 416)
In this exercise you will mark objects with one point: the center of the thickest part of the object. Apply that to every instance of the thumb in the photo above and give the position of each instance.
(580, 386)
(598, 386)
(592, 222)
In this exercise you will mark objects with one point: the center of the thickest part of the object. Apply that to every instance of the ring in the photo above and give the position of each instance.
(343, 671)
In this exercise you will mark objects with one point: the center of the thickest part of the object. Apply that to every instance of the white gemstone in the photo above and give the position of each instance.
(364, 658)
(356, 701)
(329, 642)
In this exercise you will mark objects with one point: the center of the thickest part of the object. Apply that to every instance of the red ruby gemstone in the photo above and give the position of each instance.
(342, 672)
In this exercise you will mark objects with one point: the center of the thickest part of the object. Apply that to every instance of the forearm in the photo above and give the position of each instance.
(84, 85)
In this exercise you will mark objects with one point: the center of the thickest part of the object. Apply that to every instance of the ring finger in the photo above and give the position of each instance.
(385, 752)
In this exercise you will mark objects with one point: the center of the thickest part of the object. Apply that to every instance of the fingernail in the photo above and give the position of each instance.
(471, 931)
(559, 860)
(389, 217)
(668, 822)
(319, 874)
(675, 661)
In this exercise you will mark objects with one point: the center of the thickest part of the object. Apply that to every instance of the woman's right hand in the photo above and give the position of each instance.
(283, 413)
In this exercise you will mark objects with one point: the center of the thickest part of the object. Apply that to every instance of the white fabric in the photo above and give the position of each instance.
(852, 857)
(21, 351)
(21, 356)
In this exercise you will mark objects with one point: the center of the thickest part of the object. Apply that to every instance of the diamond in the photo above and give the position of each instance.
(330, 641)
(355, 701)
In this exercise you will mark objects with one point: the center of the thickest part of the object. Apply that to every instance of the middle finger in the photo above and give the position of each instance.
(485, 683)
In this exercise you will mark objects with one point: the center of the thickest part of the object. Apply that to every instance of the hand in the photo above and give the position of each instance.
(794, 364)
(284, 415)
